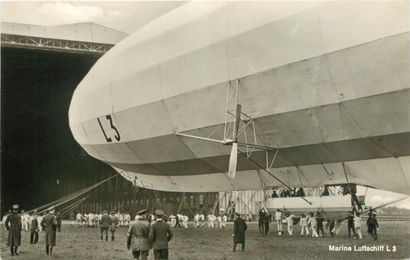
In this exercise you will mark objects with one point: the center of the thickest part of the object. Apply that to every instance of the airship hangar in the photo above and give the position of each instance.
(41, 162)
(339, 126)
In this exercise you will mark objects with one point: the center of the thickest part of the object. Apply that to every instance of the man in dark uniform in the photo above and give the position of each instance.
(114, 224)
(261, 221)
(268, 219)
(319, 220)
(49, 224)
(138, 236)
(13, 226)
(58, 218)
(105, 225)
(239, 228)
(372, 225)
(159, 236)
(34, 228)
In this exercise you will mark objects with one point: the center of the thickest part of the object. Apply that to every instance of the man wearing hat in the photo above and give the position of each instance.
(137, 237)
(239, 229)
(159, 236)
(105, 224)
(49, 224)
(13, 226)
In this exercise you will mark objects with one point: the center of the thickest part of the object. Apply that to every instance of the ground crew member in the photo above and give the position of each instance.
(13, 226)
(350, 225)
(261, 221)
(58, 218)
(278, 217)
(320, 219)
(372, 225)
(239, 229)
(138, 236)
(304, 225)
(49, 224)
(105, 225)
(114, 223)
(34, 228)
(159, 236)
(224, 221)
(313, 225)
(267, 220)
(358, 224)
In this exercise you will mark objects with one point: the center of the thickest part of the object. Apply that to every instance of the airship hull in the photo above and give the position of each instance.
(326, 83)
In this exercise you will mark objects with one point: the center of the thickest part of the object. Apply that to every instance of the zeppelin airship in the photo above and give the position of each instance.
(221, 96)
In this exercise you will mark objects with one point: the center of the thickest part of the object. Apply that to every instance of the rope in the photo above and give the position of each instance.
(284, 184)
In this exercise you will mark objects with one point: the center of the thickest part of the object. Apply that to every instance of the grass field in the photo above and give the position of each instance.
(84, 243)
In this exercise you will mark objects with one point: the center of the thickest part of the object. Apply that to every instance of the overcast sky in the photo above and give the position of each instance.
(124, 16)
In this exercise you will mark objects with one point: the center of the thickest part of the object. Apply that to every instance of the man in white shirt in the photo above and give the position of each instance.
(196, 220)
(224, 220)
(219, 221)
(278, 217)
(289, 221)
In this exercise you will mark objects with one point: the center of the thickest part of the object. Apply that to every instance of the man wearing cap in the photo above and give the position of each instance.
(137, 237)
(13, 226)
(49, 224)
(239, 229)
(105, 224)
(159, 236)
(114, 224)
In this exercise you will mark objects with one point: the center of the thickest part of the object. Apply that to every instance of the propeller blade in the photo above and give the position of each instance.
(233, 161)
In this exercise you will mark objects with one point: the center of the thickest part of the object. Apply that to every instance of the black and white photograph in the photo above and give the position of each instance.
(205, 129)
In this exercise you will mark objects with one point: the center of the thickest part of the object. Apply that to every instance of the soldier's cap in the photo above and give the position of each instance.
(15, 206)
(112, 212)
(52, 208)
(237, 214)
(142, 212)
(159, 212)
(105, 211)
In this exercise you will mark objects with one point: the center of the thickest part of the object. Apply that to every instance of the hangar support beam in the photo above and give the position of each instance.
(31, 42)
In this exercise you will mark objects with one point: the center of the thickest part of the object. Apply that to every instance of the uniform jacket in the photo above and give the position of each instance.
(49, 223)
(239, 228)
(138, 233)
(105, 221)
(372, 221)
(160, 234)
(34, 224)
(114, 223)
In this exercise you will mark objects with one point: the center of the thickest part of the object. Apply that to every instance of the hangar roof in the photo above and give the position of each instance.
(82, 32)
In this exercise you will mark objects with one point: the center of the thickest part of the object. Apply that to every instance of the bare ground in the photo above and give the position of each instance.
(203, 243)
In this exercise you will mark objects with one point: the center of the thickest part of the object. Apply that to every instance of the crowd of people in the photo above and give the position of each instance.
(94, 220)
(153, 232)
(314, 224)
(15, 223)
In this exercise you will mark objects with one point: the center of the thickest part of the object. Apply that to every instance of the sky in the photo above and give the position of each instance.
(124, 16)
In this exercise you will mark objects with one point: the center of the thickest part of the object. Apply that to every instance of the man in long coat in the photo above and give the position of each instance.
(49, 224)
(13, 226)
(159, 236)
(138, 235)
(239, 229)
